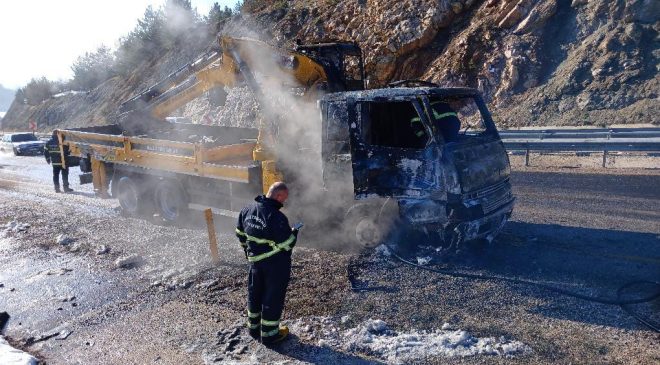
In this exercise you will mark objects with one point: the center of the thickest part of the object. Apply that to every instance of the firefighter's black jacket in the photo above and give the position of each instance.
(264, 231)
(52, 152)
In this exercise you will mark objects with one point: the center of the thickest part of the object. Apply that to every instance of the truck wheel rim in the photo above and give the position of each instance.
(128, 198)
(169, 205)
(169, 209)
(367, 233)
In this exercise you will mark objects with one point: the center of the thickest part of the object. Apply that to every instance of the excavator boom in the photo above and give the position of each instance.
(310, 68)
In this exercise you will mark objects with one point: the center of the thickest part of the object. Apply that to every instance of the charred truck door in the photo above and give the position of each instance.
(394, 154)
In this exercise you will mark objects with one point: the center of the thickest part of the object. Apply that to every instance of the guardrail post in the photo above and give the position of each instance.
(527, 157)
(213, 241)
(604, 158)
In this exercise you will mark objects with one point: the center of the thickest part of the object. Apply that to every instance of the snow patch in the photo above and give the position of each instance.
(102, 250)
(128, 262)
(424, 260)
(375, 338)
(383, 250)
(12, 356)
(70, 92)
(15, 227)
(63, 240)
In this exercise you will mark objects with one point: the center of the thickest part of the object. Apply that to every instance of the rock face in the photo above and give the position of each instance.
(545, 62)
(537, 62)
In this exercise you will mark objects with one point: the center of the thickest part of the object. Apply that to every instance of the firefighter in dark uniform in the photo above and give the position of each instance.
(446, 121)
(54, 157)
(267, 240)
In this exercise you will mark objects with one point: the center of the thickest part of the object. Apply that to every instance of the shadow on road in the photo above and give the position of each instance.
(82, 193)
(301, 351)
(593, 262)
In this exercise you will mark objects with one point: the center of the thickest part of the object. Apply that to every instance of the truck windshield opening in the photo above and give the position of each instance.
(455, 118)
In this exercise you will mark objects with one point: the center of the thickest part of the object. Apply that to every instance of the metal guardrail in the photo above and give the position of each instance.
(582, 140)
(581, 133)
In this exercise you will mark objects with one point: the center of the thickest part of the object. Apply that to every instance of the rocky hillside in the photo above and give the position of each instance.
(538, 62)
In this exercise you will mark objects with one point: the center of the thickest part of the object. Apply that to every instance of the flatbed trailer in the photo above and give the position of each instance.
(227, 163)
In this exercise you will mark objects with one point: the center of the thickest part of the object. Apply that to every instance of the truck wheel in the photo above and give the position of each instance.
(130, 196)
(16, 153)
(363, 228)
(171, 201)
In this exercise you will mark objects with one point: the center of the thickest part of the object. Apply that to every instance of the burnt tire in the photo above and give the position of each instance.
(132, 198)
(362, 227)
(171, 201)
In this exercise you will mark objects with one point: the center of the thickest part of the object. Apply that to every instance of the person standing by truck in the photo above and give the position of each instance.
(267, 240)
(445, 120)
(54, 157)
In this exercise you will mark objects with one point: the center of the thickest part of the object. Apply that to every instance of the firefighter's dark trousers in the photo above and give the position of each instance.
(267, 285)
(56, 176)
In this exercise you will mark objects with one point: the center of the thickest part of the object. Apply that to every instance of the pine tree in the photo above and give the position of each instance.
(91, 69)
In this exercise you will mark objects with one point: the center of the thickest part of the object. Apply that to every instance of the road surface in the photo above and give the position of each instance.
(589, 231)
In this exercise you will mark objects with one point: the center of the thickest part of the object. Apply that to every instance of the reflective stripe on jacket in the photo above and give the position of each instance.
(52, 152)
(264, 231)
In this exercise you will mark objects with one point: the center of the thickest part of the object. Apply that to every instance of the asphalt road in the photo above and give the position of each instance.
(589, 231)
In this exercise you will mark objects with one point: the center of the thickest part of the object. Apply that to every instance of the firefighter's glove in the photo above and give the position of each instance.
(294, 232)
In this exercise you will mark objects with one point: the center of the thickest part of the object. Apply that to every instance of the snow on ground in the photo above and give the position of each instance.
(70, 92)
(375, 338)
(14, 227)
(12, 356)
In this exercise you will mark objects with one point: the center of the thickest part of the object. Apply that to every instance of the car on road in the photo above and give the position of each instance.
(22, 144)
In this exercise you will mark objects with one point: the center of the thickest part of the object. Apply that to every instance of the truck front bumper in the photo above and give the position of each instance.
(486, 227)
(430, 216)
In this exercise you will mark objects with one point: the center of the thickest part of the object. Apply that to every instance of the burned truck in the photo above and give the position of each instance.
(450, 183)
(421, 157)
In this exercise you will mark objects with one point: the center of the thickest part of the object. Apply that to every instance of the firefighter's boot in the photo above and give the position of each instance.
(254, 324)
(273, 340)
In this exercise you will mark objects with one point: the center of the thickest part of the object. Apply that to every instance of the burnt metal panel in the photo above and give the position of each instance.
(390, 171)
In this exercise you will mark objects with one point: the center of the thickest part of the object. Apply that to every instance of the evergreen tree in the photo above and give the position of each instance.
(218, 17)
(91, 69)
(142, 43)
(37, 90)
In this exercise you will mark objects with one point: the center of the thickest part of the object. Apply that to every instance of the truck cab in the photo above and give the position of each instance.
(432, 153)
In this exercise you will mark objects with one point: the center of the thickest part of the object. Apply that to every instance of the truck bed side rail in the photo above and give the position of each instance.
(226, 162)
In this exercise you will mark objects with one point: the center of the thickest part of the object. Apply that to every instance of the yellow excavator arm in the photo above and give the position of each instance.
(308, 70)
(313, 68)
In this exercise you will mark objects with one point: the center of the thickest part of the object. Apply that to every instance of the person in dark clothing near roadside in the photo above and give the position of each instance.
(267, 240)
(445, 120)
(54, 157)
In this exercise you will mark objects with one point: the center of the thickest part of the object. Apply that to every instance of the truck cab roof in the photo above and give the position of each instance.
(398, 93)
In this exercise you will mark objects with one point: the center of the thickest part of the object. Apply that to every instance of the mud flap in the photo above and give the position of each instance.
(86, 178)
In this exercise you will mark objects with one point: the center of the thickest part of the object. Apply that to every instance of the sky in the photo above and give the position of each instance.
(45, 37)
